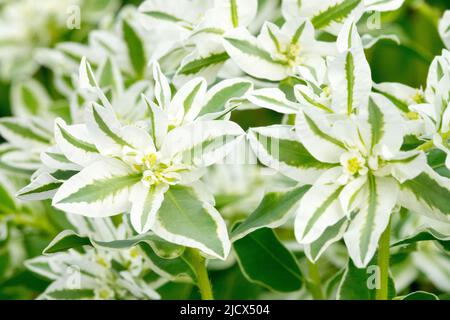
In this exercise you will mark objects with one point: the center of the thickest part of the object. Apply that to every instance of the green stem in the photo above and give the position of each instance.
(426, 146)
(203, 282)
(383, 263)
(315, 282)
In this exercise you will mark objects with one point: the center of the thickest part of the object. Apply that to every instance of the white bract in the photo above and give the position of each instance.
(276, 52)
(148, 167)
(434, 109)
(330, 15)
(348, 146)
(444, 28)
(195, 31)
(137, 149)
(430, 258)
(46, 22)
(96, 273)
(340, 86)
(426, 109)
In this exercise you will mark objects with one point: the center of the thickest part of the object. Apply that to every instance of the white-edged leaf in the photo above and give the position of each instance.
(251, 58)
(186, 220)
(319, 209)
(278, 147)
(75, 143)
(331, 235)
(328, 15)
(200, 65)
(23, 133)
(315, 133)
(99, 190)
(220, 94)
(428, 194)
(29, 98)
(350, 78)
(273, 99)
(64, 241)
(136, 49)
(186, 103)
(202, 142)
(104, 129)
(159, 122)
(162, 90)
(41, 188)
(145, 203)
(378, 200)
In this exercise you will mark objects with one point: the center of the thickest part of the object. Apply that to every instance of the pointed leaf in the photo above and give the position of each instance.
(274, 209)
(100, 190)
(261, 251)
(186, 220)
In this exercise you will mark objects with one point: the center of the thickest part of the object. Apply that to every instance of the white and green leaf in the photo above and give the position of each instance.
(278, 148)
(99, 190)
(371, 218)
(186, 220)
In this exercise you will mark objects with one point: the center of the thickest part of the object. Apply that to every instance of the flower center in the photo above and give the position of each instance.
(412, 115)
(154, 169)
(292, 53)
(418, 97)
(354, 165)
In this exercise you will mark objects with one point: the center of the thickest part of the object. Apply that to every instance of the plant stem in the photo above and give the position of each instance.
(315, 282)
(203, 282)
(383, 263)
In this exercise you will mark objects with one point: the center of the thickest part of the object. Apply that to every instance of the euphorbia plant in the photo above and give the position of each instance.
(154, 103)
(150, 168)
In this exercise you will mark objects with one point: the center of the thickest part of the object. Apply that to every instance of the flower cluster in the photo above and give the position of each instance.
(132, 148)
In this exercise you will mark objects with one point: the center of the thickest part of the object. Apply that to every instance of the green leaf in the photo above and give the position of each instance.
(427, 234)
(71, 294)
(272, 212)
(162, 248)
(176, 269)
(66, 240)
(7, 203)
(419, 295)
(332, 284)
(136, 49)
(186, 220)
(265, 260)
(360, 284)
(436, 160)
